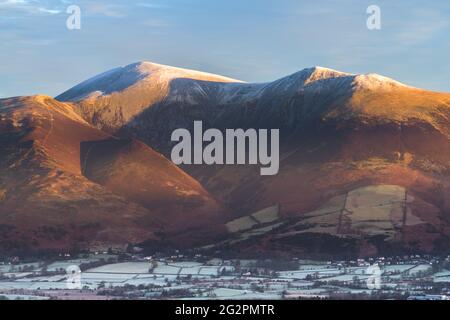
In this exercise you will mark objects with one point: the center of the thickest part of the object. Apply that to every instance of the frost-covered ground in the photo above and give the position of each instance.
(214, 279)
(124, 267)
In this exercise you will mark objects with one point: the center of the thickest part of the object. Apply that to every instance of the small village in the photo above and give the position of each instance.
(111, 275)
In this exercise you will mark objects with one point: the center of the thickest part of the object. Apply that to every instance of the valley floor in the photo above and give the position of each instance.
(97, 276)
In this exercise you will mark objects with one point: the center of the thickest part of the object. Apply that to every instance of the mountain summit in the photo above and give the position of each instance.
(117, 98)
(139, 73)
(382, 145)
(364, 165)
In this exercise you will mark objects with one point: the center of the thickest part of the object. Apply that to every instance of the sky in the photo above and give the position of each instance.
(250, 40)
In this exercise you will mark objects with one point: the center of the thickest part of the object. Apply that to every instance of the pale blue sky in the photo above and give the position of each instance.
(251, 40)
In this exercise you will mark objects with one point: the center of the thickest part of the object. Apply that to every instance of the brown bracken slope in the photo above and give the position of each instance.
(66, 185)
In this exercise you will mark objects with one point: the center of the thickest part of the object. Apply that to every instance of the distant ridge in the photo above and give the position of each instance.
(364, 165)
(121, 78)
(365, 136)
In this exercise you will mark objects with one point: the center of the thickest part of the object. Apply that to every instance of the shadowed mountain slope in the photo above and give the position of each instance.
(67, 185)
(339, 132)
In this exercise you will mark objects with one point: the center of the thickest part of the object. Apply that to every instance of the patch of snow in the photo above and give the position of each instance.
(124, 267)
(119, 79)
(373, 81)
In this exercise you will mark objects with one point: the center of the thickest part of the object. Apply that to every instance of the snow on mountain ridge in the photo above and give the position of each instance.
(315, 79)
(321, 78)
(169, 72)
(373, 81)
(119, 79)
(320, 73)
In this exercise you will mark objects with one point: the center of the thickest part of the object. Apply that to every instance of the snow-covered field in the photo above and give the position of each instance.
(420, 268)
(16, 267)
(22, 297)
(346, 278)
(204, 280)
(186, 264)
(443, 276)
(398, 268)
(301, 274)
(124, 267)
(313, 267)
(166, 269)
(441, 279)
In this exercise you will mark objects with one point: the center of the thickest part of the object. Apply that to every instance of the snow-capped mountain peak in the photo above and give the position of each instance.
(321, 73)
(369, 81)
(119, 79)
(319, 79)
(373, 81)
(147, 68)
(147, 75)
(118, 97)
(310, 75)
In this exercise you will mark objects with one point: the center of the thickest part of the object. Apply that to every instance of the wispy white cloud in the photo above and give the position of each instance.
(152, 5)
(13, 2)
(49, 11)
(107, 9)
(33, 7)
(114, 10)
